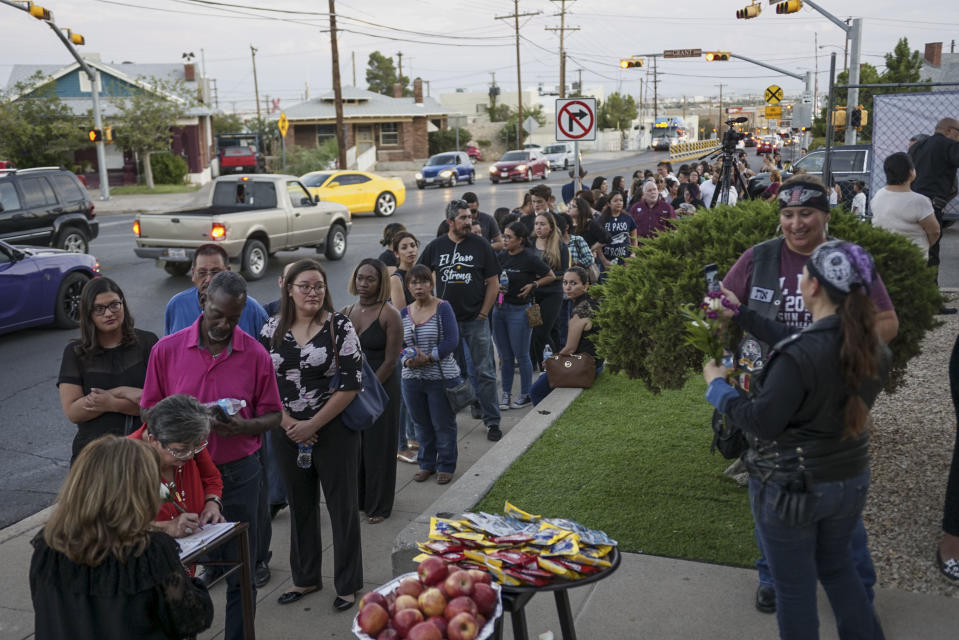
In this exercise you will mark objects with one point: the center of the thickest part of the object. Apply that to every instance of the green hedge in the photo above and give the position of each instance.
(168, 168)
(641, 327)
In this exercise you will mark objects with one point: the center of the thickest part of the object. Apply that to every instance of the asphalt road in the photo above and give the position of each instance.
(35, 450)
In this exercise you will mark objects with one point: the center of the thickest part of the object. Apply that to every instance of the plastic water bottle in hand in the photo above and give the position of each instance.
(229, 406)
(304, 456)
(547, 353)
(408, 352)
(503, 282)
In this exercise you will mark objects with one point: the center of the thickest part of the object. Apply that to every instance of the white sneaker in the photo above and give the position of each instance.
(521, 403)
(504, 402)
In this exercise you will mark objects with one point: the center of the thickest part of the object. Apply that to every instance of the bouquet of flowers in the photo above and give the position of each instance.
(706, 330)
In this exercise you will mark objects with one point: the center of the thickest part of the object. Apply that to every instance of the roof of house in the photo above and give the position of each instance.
(360, 103)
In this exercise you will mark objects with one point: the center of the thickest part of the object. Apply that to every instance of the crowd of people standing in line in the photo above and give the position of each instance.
(424, 320)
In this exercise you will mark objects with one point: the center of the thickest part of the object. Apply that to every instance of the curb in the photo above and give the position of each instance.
(477, 480)
(27, 525)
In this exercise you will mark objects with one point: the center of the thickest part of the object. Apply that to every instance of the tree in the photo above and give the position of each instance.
(445, 140)
(381, 74)
(36, 128)
(508, 133)
(903, 65)
(227, 123)
(499, 113)
(617, 112)
(147, 116)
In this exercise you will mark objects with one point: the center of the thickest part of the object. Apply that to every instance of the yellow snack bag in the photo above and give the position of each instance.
(519, 514)
(556, 568)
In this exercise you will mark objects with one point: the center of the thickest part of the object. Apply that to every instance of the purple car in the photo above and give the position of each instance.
(40, 286)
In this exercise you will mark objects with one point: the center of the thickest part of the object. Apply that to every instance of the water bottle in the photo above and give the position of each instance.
(230, 406)
(547, 353)
(304, 456)
(408, 352)
(503, 282)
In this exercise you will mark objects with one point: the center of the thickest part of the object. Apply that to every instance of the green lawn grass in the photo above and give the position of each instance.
(140, 189)
(637, 466)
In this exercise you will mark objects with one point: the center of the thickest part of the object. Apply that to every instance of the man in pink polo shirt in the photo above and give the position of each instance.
(213, 359)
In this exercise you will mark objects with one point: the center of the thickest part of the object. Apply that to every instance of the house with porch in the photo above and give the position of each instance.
(192, 136)
(379, 128)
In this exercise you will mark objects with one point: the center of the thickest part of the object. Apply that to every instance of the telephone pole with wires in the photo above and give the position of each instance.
(562, 28)
(519, 80)
(337, 91)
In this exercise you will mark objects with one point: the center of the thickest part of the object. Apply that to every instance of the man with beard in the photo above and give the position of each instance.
(185, 307)
(467, 276)
(213, 359)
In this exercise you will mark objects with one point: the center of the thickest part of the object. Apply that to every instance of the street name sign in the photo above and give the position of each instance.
(682, 53)
(575, 119)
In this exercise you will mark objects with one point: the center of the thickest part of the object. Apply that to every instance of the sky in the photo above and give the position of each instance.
(458, 44)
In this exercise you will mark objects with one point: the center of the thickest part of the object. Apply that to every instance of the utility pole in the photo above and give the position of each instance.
(353, 54)
(399, 66)
(337, 91)
(655, 91)
(256, 85)
(580, 81)
(815, 91)
(216, 94)
(562, 48)
(519, 80)
(719, 123)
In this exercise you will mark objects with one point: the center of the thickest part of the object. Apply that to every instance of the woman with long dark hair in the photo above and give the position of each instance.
(99, 569)
(406, 248)
(808, 432)
(310, 344)
(622, 231)
(380, 330)
(102, 373)
(550, 248)
(586, 226)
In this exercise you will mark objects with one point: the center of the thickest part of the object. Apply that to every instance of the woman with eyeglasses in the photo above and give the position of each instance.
(318, 455)
(102, 373)
(177, 428)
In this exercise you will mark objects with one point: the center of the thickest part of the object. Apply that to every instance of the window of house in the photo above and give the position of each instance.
(325, 132)
(389, 134)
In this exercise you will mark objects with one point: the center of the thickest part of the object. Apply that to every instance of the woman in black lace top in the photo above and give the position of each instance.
(98, 570)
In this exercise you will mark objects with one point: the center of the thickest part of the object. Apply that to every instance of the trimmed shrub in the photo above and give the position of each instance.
(641, 327)
(168, 168)
(445, 140)
(301, 160)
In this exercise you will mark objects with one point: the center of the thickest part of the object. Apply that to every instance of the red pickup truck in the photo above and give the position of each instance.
(238, 159)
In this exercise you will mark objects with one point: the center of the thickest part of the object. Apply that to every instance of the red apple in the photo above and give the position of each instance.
(405, 602)
(405, 620)
(485, 598)
(388, 634)
(432, 602)
(410, 587)
(480, 576)
(458, 605)
(440, 623)
(424, 631)
(462, 627)
(374, 597)
(459, 583)
(432, 570)
(372, 618)
(480, 621)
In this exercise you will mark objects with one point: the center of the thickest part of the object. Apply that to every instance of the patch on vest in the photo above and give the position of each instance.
(759, 294)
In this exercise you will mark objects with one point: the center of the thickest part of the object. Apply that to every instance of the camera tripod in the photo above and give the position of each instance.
(730, 173)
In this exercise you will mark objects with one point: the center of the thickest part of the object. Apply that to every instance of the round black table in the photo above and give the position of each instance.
(516, 598)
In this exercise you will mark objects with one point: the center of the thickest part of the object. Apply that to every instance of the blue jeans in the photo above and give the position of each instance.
(407, 428)
(241, 492)
(512, 333)
(799, 554)
(435, 423)
(477, 336)
(541, 388)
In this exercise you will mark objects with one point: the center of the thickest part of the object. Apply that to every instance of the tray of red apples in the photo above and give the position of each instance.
(439, 601)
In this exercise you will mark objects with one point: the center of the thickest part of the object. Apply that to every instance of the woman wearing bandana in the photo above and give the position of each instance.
(808, 432)
(767, 279)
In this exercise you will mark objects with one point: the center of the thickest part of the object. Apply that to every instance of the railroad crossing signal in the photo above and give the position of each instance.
(774, 94)
(629, 63)
(790, 6)
(717, 56)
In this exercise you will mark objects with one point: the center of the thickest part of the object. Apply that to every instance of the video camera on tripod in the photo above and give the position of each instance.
(730, 173)
(732, 137)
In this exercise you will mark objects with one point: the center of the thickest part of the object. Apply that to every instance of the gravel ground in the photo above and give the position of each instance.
(915, 431)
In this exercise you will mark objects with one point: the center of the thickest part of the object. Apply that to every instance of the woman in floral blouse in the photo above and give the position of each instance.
(309, 344)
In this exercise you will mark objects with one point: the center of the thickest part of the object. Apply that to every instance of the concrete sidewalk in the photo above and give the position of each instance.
(648, 597)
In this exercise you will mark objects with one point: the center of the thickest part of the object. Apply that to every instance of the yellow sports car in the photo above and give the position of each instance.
(359, 191)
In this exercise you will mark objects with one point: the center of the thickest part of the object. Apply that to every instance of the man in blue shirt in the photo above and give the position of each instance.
(185, 307)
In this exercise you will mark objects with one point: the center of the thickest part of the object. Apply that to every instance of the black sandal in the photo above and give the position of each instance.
(342, 605)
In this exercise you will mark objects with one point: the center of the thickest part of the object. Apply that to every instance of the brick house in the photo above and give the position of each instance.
(192, 136)
(396, 126)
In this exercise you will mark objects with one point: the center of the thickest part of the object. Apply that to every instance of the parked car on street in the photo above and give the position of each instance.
(46, 206)
(474, 152)
(559, 155)
(251, 217)
(521, 164)
(359, 191)
(446, 169)
(40, 285)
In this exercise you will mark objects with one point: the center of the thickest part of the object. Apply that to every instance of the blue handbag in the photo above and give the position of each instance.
(368, 405)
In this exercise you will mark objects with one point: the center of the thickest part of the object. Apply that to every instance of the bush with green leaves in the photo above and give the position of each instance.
(168, 168)
(641, 326)
(303, 159)
(445, 140)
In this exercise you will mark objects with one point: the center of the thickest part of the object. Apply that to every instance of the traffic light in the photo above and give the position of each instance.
(859, 117)
(839, 118)
(38, 12)
(108, 135)
(629, 63)
(790, 6)
(717, 56)
(75, 38)
(752, 11)
(95, 135)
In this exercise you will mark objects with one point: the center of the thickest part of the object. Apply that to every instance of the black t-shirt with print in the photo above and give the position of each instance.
(521, 269)
(461, 269)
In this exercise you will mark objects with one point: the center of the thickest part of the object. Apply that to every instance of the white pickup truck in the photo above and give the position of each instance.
(252, 217)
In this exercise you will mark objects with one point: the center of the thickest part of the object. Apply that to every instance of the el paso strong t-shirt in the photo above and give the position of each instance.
(461, 269)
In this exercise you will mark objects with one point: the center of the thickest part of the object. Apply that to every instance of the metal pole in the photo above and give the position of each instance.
(283, 152)
(827, 165)
(855, 47)
(578, 181)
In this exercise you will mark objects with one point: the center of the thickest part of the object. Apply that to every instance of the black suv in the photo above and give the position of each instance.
(849, 163)
(46, 206)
